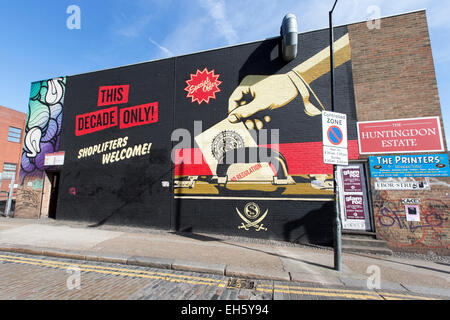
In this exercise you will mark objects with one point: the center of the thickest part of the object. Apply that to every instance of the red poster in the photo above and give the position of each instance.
(354, 207)
(400, 136)
(351, 180)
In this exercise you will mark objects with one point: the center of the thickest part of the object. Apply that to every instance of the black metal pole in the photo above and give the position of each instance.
(337, 221)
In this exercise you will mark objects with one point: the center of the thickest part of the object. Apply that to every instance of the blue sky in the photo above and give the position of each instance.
(36, 44)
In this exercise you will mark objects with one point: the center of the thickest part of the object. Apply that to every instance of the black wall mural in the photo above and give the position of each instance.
(119, 125)
(117, 141)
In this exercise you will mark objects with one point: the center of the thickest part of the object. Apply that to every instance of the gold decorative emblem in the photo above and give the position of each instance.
(252, 212)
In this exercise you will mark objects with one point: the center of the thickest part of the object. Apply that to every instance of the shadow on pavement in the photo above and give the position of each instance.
(187, 234)
(207, 238)
(406, 264)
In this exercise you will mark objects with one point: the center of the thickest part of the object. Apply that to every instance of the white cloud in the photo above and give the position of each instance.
(133, 29)
(166, 51)
(217, 11)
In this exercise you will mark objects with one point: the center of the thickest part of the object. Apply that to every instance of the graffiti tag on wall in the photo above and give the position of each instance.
(429, 232)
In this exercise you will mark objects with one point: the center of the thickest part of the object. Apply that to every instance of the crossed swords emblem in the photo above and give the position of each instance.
(255, 224)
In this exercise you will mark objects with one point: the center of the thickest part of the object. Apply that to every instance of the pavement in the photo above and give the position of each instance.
(225, 256)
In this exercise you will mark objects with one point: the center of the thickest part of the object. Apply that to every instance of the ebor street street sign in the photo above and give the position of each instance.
(334, 131)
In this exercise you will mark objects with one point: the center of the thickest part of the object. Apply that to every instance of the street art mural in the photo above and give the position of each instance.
(43, 128)
(225, 141)
(255, 157)
(42, 136)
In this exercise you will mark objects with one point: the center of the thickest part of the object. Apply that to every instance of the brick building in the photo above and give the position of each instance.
(394, 78)
(12, 126)
(146, 144)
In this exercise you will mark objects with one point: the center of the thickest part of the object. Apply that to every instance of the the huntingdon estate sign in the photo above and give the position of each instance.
(400, 136)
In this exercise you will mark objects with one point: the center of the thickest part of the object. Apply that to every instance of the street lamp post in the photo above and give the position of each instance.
(337, 222)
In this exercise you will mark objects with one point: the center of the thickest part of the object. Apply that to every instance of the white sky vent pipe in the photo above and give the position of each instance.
(289, 37)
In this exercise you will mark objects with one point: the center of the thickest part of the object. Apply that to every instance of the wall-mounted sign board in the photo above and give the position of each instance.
(430, 165)
(54, 159)
(408, 185)
(400, 136)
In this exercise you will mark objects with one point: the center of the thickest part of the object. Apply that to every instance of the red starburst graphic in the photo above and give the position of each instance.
(203, 86)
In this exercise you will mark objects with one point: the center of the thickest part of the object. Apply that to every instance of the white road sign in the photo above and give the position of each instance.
(335, 141)
(334, 128)
(337, 156)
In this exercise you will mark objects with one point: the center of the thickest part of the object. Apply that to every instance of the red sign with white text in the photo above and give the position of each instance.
(203, 86)
(96, 121)
(109, 95)
(139, 115)
(400, 136)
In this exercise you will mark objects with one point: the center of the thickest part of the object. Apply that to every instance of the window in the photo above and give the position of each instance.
(14, 134)
(8, 170)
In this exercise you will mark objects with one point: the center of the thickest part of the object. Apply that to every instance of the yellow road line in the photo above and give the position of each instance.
(348, 291)
(127, 274)
(325, 294)
(352, 294)
(111, 268)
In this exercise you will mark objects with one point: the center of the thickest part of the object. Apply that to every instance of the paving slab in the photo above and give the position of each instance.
(112, 257)
(235, 271)
(199, 267)
(65, 254)
(21, 249)
(91, 256)
(427, 290)
(55, 236)
(323, 280)
(354, 283)
(150, 262)
(394, 286)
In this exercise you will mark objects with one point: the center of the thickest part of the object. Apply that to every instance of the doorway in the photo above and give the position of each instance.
(50, 194)
(354, 198)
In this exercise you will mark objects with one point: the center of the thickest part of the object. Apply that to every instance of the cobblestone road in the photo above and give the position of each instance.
(27, 277)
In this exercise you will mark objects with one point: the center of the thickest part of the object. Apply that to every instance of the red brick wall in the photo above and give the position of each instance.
(10, 152)
(394, 78)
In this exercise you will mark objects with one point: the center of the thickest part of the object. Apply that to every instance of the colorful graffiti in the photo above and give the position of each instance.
(43, 129)
(282, 167)
(429, 233)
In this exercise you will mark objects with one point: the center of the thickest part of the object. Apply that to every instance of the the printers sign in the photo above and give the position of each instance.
(432, 165)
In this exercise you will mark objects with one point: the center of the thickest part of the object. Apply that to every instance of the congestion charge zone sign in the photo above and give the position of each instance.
(335, 143)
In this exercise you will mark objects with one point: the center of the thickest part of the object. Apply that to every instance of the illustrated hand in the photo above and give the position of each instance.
(259, 93)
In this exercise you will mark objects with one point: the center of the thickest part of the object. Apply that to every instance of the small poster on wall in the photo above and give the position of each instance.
(412, 213)
(54, 159)
(351, 180)
(354, 207)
